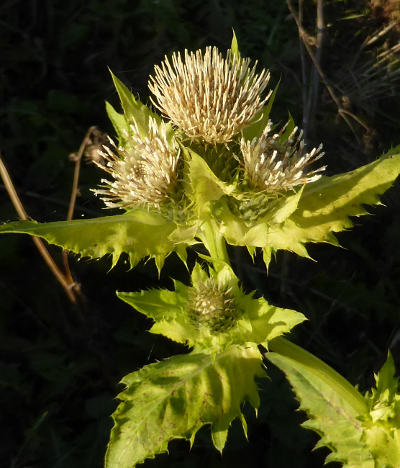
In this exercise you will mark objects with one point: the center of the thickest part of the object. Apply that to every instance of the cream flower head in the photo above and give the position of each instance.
(144, 172)
(273, 165)
(208, 96)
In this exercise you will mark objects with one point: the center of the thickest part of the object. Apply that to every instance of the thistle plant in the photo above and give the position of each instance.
(214, 171)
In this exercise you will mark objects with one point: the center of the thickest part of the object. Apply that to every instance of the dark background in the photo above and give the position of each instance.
(60, 365)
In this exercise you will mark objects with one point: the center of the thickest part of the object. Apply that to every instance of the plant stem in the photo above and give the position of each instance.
(77, 158)
(67, 285)
(304, 87)
(304, 37)
(320, 369)
(314, 79)
(213, 241)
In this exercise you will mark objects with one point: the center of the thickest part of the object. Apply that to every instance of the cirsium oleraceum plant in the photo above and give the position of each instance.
(214, 169)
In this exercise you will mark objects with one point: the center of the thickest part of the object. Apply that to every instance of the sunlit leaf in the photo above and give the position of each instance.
(205, 186)
(139, 233)
(256, 321)
(133, 109)
(176, 397)
(119, 123)
(382, 425)
(325, 207)
(255, 129)
(235, 45)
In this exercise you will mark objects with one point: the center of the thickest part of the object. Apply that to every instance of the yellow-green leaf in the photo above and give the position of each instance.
(176, 397)
(138, 233)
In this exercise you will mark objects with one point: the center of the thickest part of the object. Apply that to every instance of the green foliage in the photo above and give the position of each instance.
(235, 46)
(310, 214)
(134, 110)
(360, 432)
(332, 405)
(323, 208)
(139, 233)
(382, 423)
(175, 398)
(257, 321)
(119, 123)
(205, 186)
(256, 128)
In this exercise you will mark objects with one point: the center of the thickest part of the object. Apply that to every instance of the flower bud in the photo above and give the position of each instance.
(213, 306)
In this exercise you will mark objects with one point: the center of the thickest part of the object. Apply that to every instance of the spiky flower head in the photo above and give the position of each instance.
(274, 163)
(208, 96)
(144, 171)
(213, 306)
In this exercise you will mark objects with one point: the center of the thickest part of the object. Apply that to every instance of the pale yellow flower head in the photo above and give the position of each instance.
(208, 96)
(273, 165)
(143, 172)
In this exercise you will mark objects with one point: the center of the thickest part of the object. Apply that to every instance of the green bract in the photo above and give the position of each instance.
(382, 423)
(134, 111)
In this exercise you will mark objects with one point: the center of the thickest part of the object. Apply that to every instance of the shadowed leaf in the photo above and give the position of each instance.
(333, 406)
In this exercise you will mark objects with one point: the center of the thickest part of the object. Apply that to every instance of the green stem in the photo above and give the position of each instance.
(320, 370)
(213, 241)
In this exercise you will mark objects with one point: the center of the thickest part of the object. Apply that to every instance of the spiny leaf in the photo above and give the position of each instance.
(235, 45)
(384, 444)
(138, 233)
(255, 129)
(176, 397)
(237, 231)
(286, 208)
(332, 404)
(386, 381)
(204, 184)
(119, 123)
(256, 320)
(382, 424)
(133, 109)
(325, 207)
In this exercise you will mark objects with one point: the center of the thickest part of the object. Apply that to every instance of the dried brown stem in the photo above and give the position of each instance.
(304, 37)
(303, 75)
(65, 283)
(77, 158)
(314, 81)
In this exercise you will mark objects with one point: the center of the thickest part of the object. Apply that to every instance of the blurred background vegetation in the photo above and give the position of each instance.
(59, 364)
